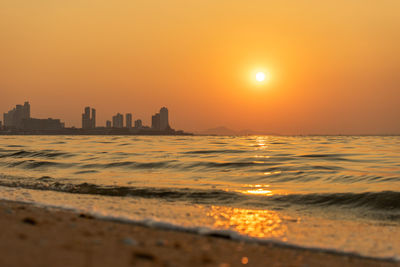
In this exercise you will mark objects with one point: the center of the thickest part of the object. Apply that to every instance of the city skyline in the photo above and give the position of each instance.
(20, 118)
(89, 118)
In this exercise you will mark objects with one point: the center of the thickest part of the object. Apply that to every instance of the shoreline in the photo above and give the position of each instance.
(47, 236)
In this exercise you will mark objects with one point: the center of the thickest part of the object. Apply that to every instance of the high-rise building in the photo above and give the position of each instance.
(118, 121)
(27, 110)
(15, 117)
(86, 118)
(159, 121)
(108, 124)
(138, 123)
(128, 118)
(155, 121)
(93, 120)
(87, 121)
(164, 124)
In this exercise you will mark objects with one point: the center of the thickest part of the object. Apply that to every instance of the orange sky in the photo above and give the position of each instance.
(334, 65)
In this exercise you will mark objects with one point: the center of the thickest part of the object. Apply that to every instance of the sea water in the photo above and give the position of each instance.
(339, 193)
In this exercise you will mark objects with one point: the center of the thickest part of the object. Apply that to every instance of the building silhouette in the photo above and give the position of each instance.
(20, 118)
(86, 119)
(155, 121)
(164, 124)
(89, 122)
(118, 121)
(138, 124)
(159, 121)
(14, 117)
(128, 118)
(108, 124)
(93, 118)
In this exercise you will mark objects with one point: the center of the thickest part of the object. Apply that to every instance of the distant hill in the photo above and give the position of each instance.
(222, 130)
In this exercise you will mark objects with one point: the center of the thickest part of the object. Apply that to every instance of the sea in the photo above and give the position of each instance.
(331, 193)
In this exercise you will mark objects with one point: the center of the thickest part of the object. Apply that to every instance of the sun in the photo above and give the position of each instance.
(260, 76)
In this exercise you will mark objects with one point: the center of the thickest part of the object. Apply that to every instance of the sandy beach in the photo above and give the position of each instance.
(36, 236)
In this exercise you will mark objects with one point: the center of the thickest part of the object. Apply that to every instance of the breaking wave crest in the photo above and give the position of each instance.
(377, 201)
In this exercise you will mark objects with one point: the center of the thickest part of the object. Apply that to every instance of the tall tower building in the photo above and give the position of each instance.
(87, 121)
(27, 110)
(128, 118)
(86, 118)
(18, 116)
(87, 112)
(118, 121)
(164, 124)
(93, 119)
(155, 121)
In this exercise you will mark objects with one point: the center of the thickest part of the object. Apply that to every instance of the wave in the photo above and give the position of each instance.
(33, 164)
(386, 201)
(130, 165)
(205, 165)
(47, 183)
(268, 170)
(35, 154)
(238, 164)
(222, 151)
(328, 157)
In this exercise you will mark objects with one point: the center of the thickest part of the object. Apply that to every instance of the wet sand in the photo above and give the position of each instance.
(35, 236)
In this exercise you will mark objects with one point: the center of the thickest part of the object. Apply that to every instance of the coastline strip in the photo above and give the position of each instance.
(40, 236)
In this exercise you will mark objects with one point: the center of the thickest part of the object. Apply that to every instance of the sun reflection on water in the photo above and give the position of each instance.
(260, 189)
(261, 143)
(256, 223)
